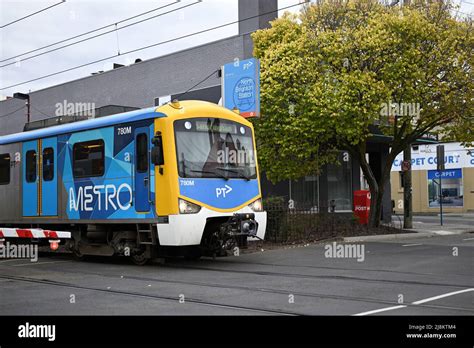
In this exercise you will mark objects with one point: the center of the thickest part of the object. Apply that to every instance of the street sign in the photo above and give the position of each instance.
(406, 166)
(241, 86)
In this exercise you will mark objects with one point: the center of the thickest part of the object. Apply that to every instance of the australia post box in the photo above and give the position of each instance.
(362, 206)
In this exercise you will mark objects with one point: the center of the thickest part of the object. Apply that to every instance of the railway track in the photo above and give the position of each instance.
(147, 296)
(310, 276)
(247, 288)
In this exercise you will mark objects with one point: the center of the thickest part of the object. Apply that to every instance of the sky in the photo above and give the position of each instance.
(74, 17)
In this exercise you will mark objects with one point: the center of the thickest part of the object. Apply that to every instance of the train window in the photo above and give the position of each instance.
(30, 172)
(88, 159)
(5, 169)
(142, 153)
(48, 164)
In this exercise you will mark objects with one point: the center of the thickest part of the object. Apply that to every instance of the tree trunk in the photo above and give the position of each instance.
(376, 207)
(376, 191)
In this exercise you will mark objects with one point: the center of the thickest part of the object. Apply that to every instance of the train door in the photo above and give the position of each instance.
(30, 178)
(48, 176)
(142, 170)
(39, 171)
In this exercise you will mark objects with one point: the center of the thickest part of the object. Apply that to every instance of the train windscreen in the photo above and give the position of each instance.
(214, 148)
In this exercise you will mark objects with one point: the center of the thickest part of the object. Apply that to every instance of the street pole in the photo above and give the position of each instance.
(440, 199)
(440, 168)
(407, 191)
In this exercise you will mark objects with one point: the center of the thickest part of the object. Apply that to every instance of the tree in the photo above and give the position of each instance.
(331, 73)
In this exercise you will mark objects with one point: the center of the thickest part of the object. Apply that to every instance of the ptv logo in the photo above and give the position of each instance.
(223, 191)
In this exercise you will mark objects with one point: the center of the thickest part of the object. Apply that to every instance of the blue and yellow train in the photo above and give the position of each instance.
(180, 179)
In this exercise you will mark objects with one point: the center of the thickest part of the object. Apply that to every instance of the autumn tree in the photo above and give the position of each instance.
(339, 68)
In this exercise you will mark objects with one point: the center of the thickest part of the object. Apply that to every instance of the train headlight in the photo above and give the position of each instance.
(257, 205)
(186, 207)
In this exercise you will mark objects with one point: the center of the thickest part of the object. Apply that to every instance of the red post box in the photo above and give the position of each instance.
(362, 206)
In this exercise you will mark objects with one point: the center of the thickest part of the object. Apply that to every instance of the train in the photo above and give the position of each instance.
(181, 179)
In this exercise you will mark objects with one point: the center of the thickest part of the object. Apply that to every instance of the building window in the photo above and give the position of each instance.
(88, 159)
(5, 169)
(451, 188)
(340, 184)
(48, 164)
(304, 193)
(142, 153)
(30, 172)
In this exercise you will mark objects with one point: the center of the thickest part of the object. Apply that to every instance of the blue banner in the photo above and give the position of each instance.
(241, 86)
(445, 174)
(219, 193)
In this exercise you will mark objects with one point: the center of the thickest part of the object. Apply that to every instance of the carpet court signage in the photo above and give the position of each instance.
(456, 156)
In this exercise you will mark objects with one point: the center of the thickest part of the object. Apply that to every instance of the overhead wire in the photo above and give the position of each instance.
(31, 14)
(98, 35)
(150, 46)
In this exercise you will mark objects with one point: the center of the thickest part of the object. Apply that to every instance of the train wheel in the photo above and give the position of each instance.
(193, 254)
(78, 255)
(139, 259)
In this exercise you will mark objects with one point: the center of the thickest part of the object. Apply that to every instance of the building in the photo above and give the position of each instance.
(457, 180)
(154, 81)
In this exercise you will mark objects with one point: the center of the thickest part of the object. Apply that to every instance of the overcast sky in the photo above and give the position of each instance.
(75, 17)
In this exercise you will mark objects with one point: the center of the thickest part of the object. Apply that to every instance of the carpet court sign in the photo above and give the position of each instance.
(241, 86)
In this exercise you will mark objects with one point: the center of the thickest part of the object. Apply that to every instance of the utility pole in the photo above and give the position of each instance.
(407, 190)
(440, 168)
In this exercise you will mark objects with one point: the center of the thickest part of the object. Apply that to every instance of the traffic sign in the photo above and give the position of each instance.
(406, 166)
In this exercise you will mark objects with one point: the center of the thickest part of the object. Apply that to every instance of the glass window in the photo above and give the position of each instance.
(340, 184)
(142, 153)
(48, 164)
(88, 159)
(5, 169)
(30, 173)
(451, 188)
(213, 148)
(305, 193)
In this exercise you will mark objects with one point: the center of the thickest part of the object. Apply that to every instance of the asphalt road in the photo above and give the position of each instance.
(412, 277)
(448, 219)
(451, 222)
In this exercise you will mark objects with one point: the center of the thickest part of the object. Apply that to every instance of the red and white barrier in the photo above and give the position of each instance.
(33, 233)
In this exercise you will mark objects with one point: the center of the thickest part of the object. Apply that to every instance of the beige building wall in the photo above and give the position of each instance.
(420, 192)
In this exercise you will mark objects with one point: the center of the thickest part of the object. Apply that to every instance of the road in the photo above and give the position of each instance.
(448, 219)
(431, 223)
(401, 277)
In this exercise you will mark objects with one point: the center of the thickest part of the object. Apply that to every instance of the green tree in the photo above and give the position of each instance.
(331, 73)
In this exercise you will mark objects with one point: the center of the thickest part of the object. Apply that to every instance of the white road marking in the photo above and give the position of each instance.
(408, 245)
(442, 296)
(415, 303)
(379, 310)
(444, 233)
(468, 239)
(38, 263)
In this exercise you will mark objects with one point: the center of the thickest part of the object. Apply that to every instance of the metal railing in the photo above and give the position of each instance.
(304, 223)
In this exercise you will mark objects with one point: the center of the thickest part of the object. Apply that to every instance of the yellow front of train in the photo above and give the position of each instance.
(207, 182)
